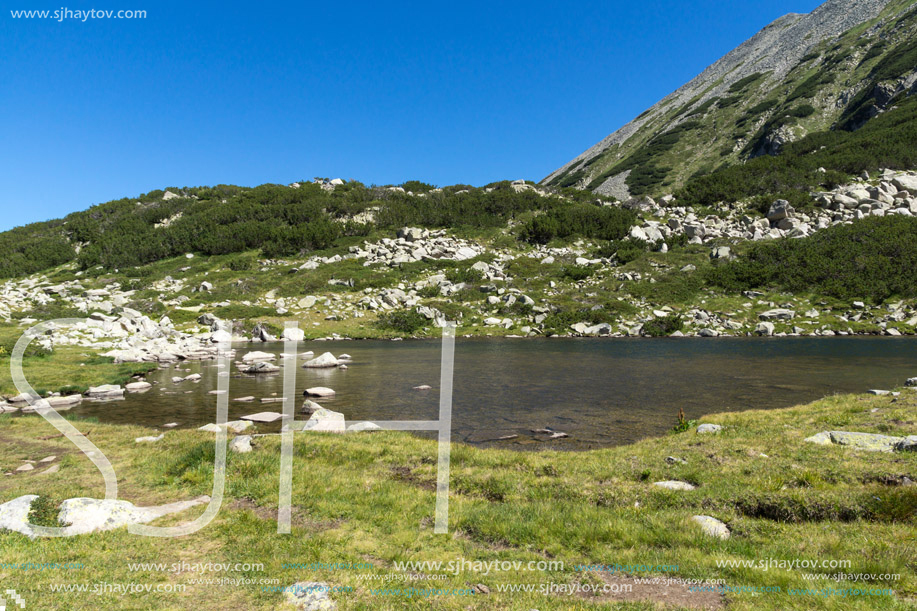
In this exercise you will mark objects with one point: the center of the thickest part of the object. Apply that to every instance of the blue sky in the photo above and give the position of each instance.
(206, 93)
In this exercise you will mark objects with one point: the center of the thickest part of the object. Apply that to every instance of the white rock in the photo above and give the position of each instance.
(14, 515)
(325, 420)
(712, 527)
(256, 356)
(325, 360)
(705, 429)
(293, 335)
(138, 386)
(777, 314)
(87, 515)
(105, 391)
(263, 417)
(674, 485)
(241, 444)
(149, 439)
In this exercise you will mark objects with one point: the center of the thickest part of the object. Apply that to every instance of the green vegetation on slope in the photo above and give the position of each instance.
(884, 142)
(277, 220)
(874, 258)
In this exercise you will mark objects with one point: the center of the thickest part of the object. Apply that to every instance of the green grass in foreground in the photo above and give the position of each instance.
(369, 498)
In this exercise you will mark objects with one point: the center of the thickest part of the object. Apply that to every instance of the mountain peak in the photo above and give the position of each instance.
(750, 72)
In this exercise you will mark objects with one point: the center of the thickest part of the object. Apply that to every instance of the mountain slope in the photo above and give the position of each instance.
(835, 67)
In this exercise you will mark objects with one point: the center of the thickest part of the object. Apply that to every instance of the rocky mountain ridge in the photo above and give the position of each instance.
(820, 58)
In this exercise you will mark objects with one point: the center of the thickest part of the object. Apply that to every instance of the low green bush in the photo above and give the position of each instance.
(403, 321)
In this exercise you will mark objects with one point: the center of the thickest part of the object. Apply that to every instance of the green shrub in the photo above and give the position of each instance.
(663, 327)
(403, 321)
(467, 275)
(43, 512)
(243, 263)
(581, 220)
(874, 258)
(577, 273)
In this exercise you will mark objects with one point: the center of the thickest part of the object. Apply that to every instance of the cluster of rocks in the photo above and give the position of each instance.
(894, 193)
(416, 244)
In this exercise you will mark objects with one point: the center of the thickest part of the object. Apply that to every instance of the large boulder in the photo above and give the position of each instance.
(325, 420)
(261, 334)
(138, 386)
(325, 360)
(411, 234)
(319, 391)
(106, 391)
(293, 335)
(779, 210)
(777, 314)
(85, 515)
(764, 328)
(259, 367)
(14, 515)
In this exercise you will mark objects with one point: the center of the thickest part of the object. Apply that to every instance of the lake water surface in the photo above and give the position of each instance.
(600, 391)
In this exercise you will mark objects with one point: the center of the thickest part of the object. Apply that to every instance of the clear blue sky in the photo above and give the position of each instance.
(201, 93)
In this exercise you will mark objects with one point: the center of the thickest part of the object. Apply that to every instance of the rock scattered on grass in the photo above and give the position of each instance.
(674, 485)
(712, 527)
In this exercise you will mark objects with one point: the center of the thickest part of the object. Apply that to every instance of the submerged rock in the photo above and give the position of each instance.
(319, 391)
